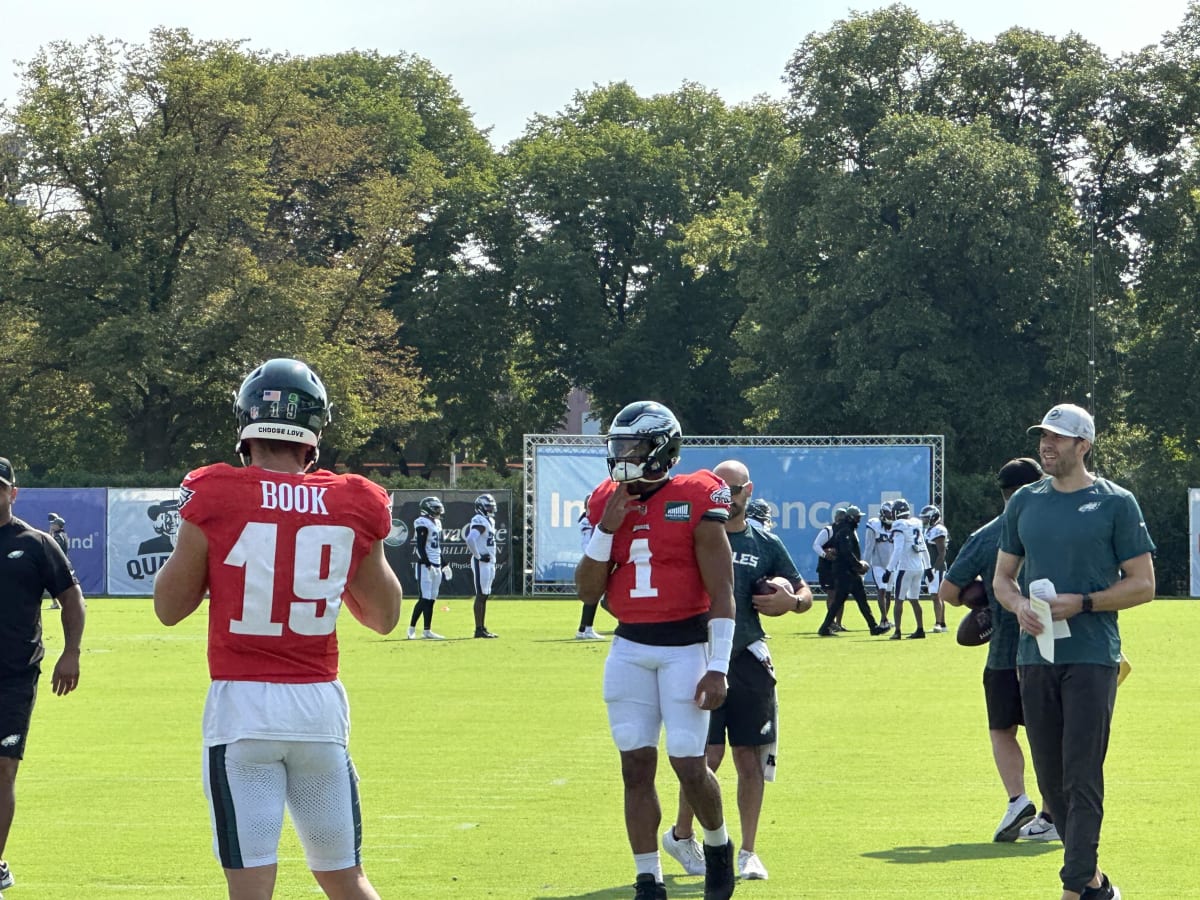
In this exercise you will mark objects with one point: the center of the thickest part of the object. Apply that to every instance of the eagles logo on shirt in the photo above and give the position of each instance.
(185, 494)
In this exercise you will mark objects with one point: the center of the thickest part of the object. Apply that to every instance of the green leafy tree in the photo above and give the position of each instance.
(196, 212)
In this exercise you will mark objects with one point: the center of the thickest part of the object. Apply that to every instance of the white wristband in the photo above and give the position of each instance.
(720, 645)
(599, 546)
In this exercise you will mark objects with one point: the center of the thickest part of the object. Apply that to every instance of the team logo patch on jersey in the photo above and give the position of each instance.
(16, 554)
(678, 511)
(10, 740)
(1090, 507)
(398, 534)
(722, 495)
(185, 494)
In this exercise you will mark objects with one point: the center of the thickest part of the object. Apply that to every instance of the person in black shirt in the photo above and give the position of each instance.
(848, 569)
(31, 562)
(58, 531)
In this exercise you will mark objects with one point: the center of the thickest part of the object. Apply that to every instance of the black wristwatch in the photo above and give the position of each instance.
(1087, 603)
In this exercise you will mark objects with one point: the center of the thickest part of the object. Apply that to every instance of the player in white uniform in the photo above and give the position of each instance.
(877, 553)
(909, 562)
(427, 531)
(481, 539)
(937, 540)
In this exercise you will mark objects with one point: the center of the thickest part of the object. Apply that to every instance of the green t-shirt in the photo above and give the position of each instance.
(1078, 540)
(978, 557)
(756, 553)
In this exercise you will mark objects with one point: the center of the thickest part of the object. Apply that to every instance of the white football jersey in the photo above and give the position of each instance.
(877, 544)
(433, 543)
(909, 552)
(937, 531)
(585, 531)
(486, 541)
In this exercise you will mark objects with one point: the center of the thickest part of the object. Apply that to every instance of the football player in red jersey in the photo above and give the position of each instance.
(280, 549)
(660, 553)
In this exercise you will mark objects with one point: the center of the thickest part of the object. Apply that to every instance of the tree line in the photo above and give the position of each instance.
(929, 234)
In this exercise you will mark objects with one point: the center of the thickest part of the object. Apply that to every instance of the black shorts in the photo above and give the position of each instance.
(1002, 693)
(748, 713)
(17, 696)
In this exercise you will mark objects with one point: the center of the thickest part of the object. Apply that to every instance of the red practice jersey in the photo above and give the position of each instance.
(281, 549)
(656, 577)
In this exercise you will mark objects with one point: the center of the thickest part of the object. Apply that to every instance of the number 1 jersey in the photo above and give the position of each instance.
(281, 549)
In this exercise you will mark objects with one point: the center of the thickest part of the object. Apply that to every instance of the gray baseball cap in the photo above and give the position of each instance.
(1068, 419)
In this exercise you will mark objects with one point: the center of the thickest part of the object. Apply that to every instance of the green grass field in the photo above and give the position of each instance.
(487, 769)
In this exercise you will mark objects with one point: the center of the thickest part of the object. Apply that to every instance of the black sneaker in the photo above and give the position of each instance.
(718, 872)
(896, 636)
(646, 888)
(917, 635)
(1106, 891)
(484, 633)
(826, 632)
(879, 629)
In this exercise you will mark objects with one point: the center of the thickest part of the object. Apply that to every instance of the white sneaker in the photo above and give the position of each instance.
(589, 634)
(412, 634)
(686, 851)
(1039, 830)
(432, 636)
(1018, 813)
(939, 629)
(750, 867)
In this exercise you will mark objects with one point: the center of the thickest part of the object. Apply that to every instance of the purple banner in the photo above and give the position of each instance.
(85, 510)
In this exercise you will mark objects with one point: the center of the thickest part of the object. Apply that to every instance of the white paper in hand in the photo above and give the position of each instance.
(1044, 589)
(1045, 640)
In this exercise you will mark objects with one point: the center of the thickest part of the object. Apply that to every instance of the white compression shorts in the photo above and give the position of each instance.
(485, 574)
(248, 783)
(647, 687)
(906, 585)
(429, 579)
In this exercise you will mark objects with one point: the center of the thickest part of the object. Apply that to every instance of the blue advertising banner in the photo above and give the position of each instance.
(801, 484)
(85, 511)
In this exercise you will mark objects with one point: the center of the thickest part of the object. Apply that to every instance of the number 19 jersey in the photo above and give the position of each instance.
(281, 549)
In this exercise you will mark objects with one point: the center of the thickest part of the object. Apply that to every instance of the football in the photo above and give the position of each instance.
(974, 595)
(765, 585)
(975, 628)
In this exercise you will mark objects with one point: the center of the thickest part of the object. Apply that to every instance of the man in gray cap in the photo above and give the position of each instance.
(1087, 554)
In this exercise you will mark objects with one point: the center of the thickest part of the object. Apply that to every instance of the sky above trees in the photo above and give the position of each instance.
(510, 61)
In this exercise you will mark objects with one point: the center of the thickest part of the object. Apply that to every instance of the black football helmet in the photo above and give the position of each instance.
(644, 440)
(853, 513)
(282, 400)
(485, 505)
(901, 509)
(887, 515)
(759, 511)
(432, 507)
(931, 515)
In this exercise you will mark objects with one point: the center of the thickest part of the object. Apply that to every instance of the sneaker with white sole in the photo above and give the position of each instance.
(750, 867)
(1106, 891)
(432, 636)
(412, 633)
(589, 634)
(1018, 813)
(6, 879)
(685, 851)
(1039, 830)
(939, 629)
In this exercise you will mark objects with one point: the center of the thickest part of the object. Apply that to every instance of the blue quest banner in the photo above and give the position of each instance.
(801, 484)
(85, 510)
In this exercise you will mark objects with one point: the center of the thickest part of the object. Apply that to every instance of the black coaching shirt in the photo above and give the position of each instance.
(30, 563)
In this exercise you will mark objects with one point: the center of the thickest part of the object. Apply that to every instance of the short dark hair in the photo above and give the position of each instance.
(1018, 472)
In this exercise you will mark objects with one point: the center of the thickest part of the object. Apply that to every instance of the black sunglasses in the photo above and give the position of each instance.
(736, 489)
